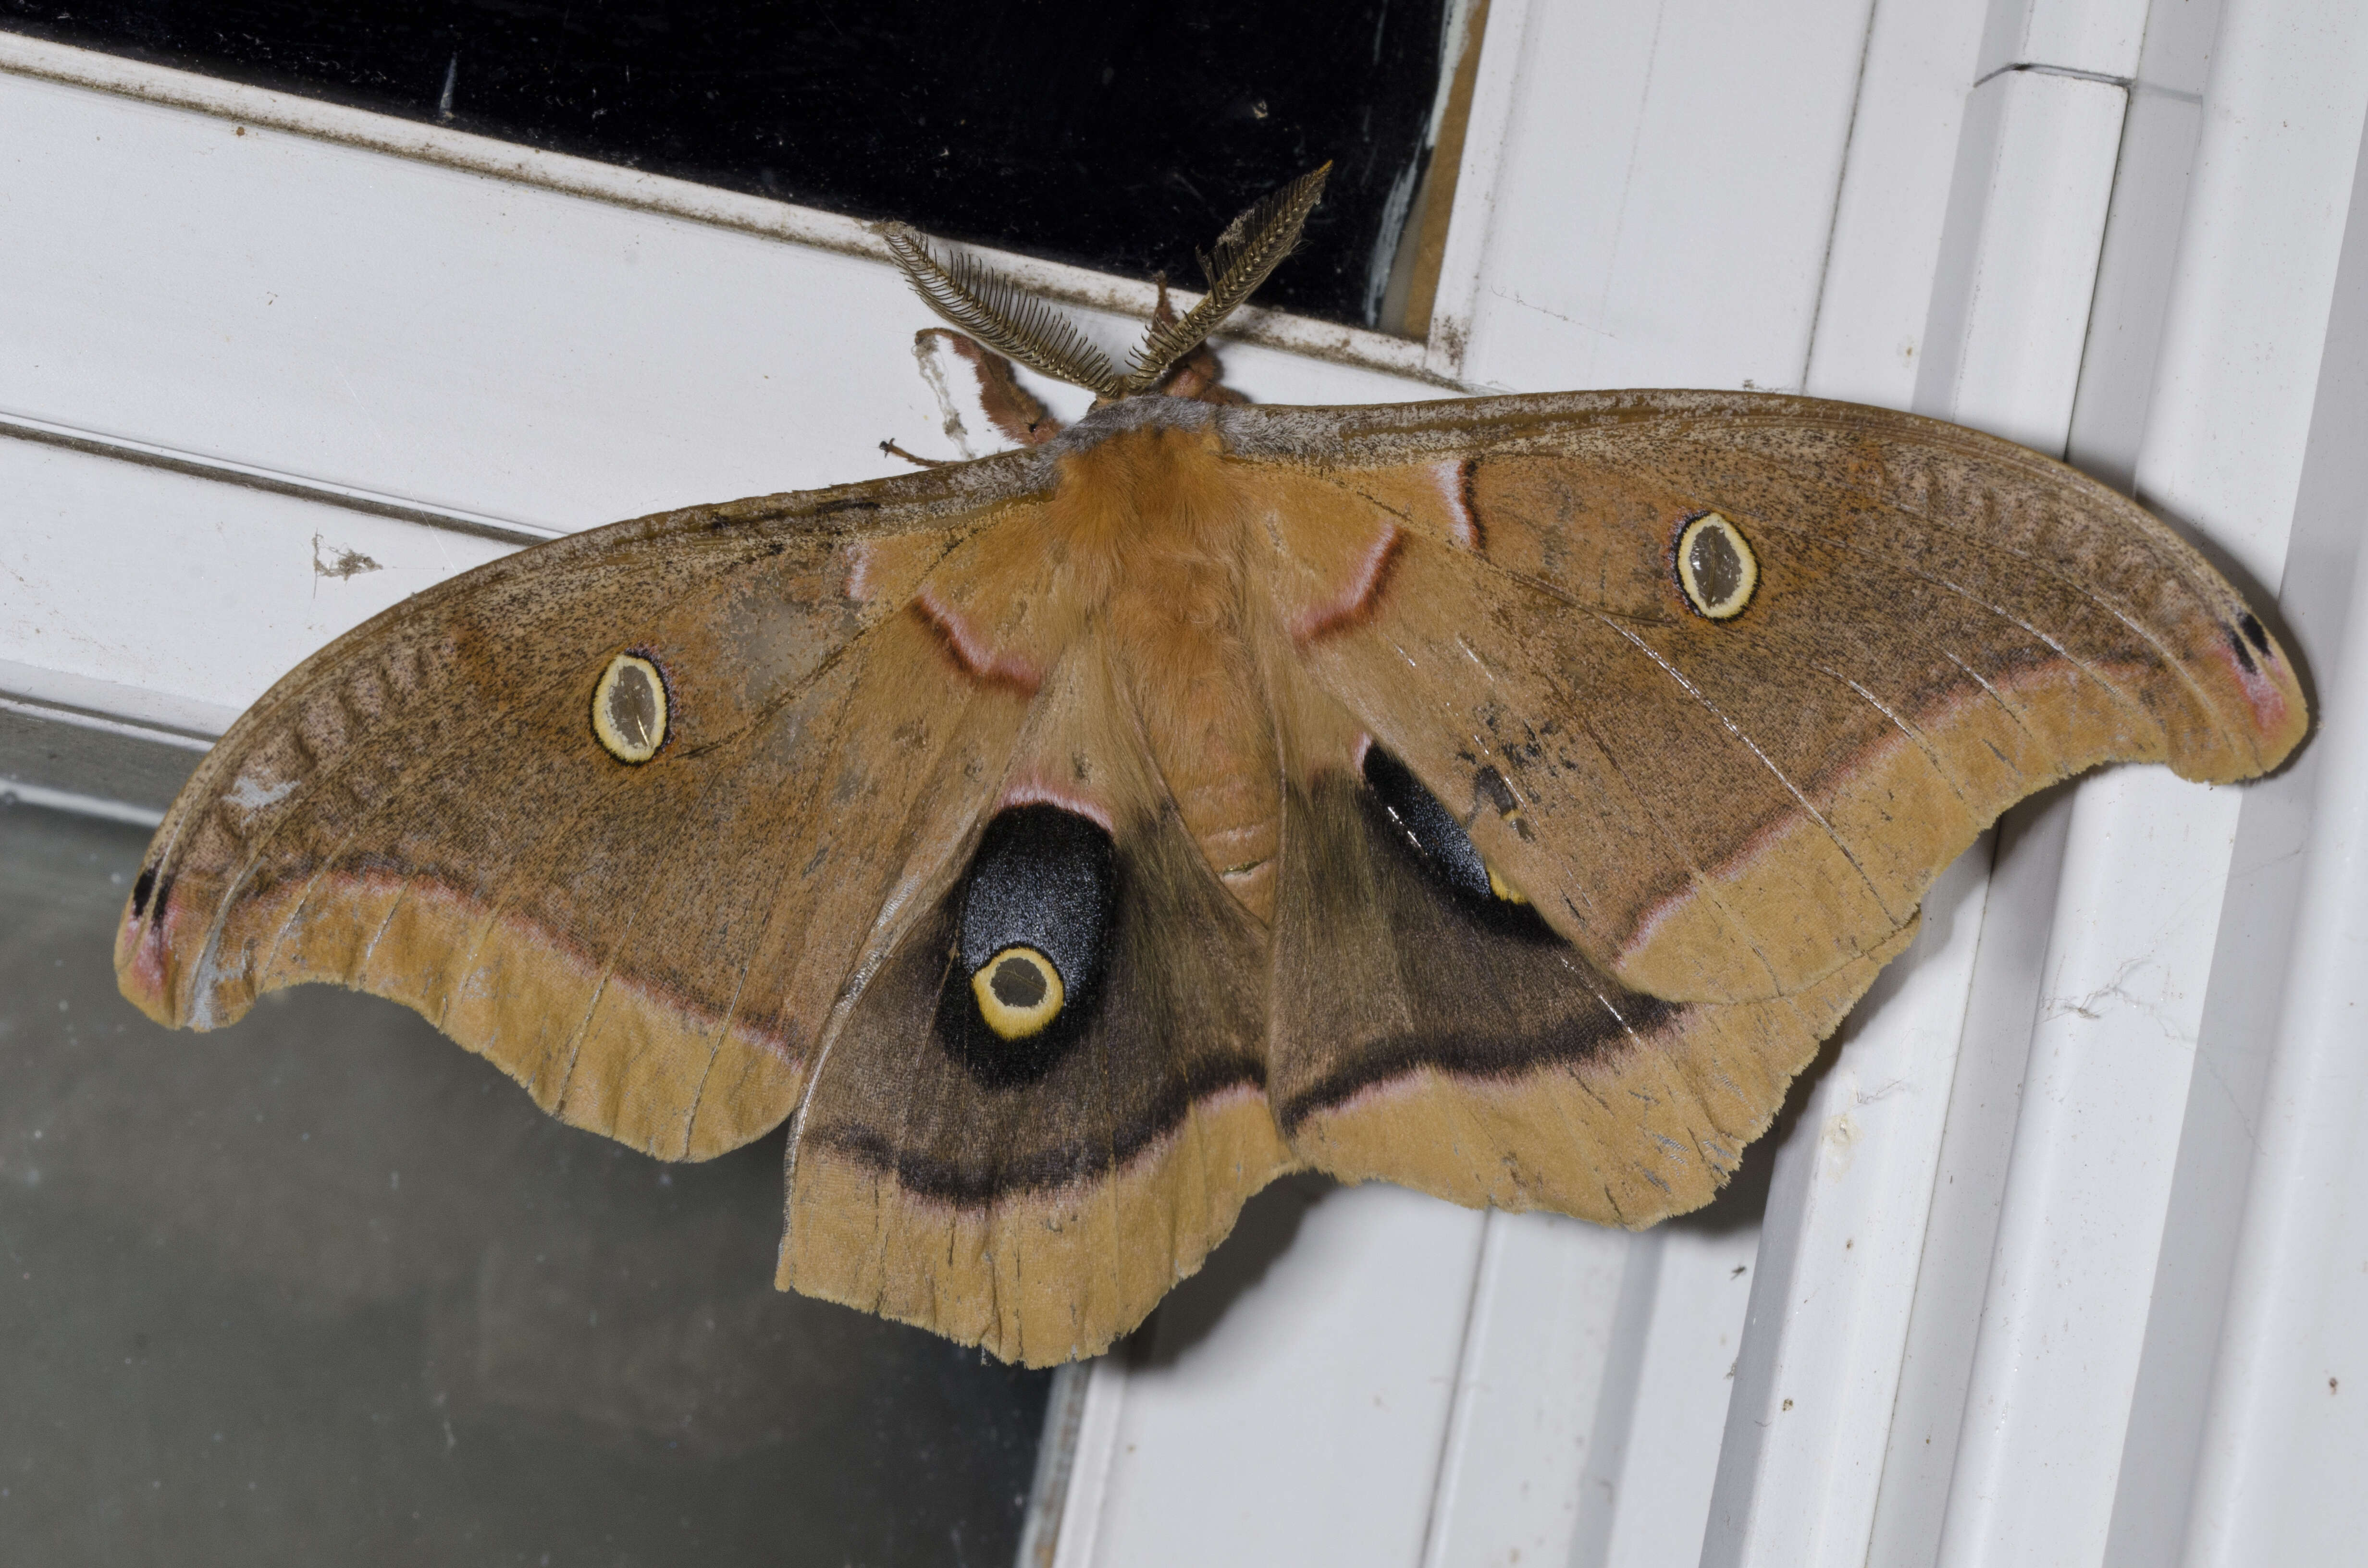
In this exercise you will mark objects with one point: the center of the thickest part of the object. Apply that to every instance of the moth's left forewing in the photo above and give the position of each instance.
(1733, 807)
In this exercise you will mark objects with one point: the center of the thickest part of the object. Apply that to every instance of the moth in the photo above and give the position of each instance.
(1503, 797)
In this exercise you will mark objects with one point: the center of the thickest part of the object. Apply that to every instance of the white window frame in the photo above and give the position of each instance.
(2063, 1257)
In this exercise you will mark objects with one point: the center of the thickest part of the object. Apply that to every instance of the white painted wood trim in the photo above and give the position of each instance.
(621, 186)
(1495, 82)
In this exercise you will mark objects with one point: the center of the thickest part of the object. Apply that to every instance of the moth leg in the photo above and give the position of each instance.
(893, 450)
(1198, 377)
(985, 407)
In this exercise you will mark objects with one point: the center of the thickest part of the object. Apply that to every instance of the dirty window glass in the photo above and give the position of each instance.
(324, 1288)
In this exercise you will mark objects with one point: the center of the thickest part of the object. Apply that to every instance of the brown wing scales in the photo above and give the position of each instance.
(1664, 844)
(1039, 1196)
(1463, 1048)
(421, 810)
(1731, 821)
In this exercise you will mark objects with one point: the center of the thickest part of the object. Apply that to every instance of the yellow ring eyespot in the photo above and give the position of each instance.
(1716, 566)
(1505, 891)
(629, 708)
(1018, 992)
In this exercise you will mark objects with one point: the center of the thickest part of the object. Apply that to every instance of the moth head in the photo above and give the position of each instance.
(993, 311)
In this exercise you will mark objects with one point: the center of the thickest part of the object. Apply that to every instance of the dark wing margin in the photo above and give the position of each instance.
(1460, 1046)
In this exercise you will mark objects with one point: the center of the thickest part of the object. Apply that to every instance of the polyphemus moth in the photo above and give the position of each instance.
(1502, 797)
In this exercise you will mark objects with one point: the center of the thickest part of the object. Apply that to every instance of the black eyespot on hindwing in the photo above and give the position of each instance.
(1031, 941)
(141, 889)
(1428, 825)
(1444, 847)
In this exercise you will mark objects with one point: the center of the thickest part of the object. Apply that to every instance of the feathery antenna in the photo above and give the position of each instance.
(1018, 327)
(999, 316)
(1252, 246)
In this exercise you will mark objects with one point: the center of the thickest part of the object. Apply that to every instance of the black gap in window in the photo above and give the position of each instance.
(1119, 136)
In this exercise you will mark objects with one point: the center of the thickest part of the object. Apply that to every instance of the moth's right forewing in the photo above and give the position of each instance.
(427, 809)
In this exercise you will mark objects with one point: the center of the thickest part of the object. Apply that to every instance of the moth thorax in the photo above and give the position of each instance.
(629, 708)
(1717, 568)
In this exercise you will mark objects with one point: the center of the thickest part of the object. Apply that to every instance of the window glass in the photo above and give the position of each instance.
(323, 1287)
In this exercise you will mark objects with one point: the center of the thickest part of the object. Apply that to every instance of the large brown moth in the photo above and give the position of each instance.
(1501, 797)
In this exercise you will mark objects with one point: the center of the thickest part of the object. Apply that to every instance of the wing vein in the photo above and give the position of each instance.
(1738, 730)
(1911, 732)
